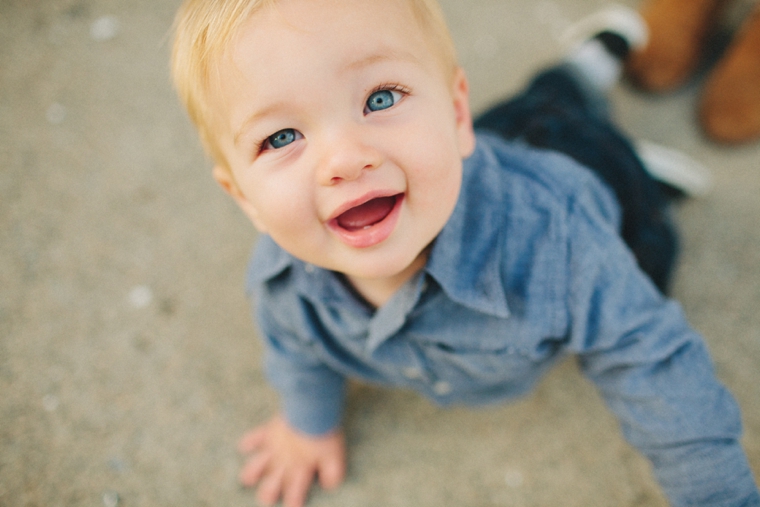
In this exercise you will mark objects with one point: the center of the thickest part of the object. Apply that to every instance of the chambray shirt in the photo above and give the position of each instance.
(529, 269)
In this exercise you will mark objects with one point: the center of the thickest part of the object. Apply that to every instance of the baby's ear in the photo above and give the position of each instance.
(461, 95)
(226, 180)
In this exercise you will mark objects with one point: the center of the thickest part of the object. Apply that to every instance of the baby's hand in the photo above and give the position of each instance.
(283, 462)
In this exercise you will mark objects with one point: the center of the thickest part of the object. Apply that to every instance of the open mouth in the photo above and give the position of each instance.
(368, 223)
(366, 215)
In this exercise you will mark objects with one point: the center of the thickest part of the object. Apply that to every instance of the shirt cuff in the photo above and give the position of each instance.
(315, 410)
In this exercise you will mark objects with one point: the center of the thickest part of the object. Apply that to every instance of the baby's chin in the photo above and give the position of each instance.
(390, 267)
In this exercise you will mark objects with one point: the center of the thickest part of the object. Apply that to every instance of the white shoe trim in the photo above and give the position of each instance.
(615, 18)
(674, 168)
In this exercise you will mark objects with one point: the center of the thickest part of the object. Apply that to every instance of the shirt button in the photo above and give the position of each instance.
(442, 388)
(412, 373)
(309, 268)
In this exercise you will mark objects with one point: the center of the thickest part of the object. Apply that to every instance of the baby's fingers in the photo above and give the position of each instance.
(254, 469)
(331, 468)
(331, 472)
(297, 488)
(270, 487)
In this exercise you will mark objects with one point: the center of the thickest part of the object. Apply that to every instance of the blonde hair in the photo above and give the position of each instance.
(204, 29)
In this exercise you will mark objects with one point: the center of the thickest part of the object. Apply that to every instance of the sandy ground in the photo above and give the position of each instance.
(129, 364)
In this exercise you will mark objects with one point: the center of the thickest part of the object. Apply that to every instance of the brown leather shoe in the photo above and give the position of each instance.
(730, 105)
(678, 30)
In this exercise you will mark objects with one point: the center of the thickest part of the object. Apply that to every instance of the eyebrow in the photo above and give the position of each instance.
(379, 57)
(253, 118)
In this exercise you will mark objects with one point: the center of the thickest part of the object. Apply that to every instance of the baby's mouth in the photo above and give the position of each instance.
(368, 214)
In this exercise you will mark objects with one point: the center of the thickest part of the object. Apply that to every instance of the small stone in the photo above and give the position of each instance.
(111, 499)
(140, 296)
(55, 114)
(104, 28)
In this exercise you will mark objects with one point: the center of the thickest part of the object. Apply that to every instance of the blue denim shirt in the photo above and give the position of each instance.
(528, 269)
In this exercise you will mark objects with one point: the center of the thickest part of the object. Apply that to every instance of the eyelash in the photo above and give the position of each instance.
(393, 87)
(260, 146)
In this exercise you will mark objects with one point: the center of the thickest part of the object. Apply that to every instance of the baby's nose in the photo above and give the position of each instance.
(346, 159)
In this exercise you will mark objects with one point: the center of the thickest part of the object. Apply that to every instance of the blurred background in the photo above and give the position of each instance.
(129, 364)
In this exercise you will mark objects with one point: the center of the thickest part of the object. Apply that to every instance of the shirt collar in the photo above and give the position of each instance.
(270, 261)
(466, 257)
(464, 260)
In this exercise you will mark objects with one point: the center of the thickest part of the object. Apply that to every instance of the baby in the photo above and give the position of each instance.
(400, 248)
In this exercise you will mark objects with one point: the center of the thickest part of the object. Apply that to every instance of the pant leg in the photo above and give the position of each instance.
(557, 112)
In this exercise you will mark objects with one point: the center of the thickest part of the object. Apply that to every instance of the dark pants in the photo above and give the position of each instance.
(557, 112)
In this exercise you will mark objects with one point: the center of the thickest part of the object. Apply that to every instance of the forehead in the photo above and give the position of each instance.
(332, 29)
(321, 25)
(280, 44)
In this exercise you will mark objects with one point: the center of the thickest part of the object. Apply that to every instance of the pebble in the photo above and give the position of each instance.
(104, 28)
(111, 499)
(55, 114)
(140, 296)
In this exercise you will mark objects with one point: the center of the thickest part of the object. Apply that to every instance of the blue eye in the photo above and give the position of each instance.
(382, 99)
(282, 138)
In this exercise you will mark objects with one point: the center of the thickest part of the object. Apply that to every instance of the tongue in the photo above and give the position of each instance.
(367, 214)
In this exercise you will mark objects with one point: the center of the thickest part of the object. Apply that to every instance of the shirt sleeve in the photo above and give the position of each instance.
(311, 393)
(654, 372)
